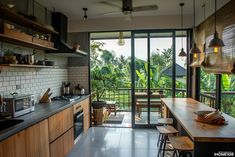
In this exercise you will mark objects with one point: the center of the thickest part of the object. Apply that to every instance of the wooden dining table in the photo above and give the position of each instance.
(209, 140)
(141, 101)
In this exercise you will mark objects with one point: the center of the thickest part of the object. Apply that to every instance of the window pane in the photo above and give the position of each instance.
(181, 64)
(207, 88)
(228, 94)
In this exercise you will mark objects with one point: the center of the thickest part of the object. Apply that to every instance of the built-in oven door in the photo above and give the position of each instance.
(78, 124)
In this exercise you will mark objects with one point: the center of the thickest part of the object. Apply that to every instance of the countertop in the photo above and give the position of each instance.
(42, 111)
(183, 110)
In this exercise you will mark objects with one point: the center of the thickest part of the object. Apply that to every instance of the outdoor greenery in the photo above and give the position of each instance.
(208, 85)
(110, 72)
(111, 77)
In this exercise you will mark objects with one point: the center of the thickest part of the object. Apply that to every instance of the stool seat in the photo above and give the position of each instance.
(167, 130)
(181, 143)
(165, 121)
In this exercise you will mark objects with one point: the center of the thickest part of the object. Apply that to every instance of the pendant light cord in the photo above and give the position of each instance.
(194, 18)
(215, 13)
(182, 22)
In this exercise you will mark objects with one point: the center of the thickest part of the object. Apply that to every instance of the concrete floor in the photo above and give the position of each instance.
(139, 120)
(116, 142)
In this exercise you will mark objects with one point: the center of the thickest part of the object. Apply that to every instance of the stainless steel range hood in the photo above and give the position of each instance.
(59, 22)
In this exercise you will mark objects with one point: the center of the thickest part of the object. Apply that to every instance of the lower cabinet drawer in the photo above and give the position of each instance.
(61, 146)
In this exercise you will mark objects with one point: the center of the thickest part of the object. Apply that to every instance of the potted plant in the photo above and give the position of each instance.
(99, 84)
(9, 57)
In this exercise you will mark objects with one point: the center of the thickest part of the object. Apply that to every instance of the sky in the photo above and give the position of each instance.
(141, 47)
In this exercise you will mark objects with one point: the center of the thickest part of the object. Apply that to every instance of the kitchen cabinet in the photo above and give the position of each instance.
(31, 142)
(86, 123)
(61, 146)
(85, 105)
(86, 111)
(16, 37)
(13, 146)
(60, 123)
(37, 140)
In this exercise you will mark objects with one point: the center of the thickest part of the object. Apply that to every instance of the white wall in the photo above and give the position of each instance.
(149, 22)
(209, 8)
(109, 24)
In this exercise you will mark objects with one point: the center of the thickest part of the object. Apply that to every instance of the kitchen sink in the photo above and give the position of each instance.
(6, 123)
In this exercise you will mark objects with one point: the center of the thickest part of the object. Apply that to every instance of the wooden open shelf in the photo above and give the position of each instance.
(27, 66)
(21, 20)
(25, 43)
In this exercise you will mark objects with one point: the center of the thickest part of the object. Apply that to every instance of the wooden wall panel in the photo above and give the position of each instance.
(225, 17)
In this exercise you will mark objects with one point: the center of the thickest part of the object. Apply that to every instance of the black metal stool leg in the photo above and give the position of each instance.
(174, 153)
(190, 154)
(159, 136)
(160, 147)
(164, 146)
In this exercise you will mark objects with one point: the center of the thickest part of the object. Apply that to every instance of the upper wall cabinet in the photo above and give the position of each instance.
(25, 29)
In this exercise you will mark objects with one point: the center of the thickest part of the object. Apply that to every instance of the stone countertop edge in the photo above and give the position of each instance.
(42, 112)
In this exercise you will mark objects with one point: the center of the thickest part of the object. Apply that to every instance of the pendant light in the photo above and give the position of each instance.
(121, 40)
(182, 52)
(194, 50)
(85, 15)
(216, 42)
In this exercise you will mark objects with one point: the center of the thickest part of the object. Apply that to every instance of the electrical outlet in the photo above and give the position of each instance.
(18, 87)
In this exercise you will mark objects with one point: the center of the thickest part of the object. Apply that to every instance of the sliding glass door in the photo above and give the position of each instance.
(153, 74)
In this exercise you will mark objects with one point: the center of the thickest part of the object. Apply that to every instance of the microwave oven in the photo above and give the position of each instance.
(18, 105)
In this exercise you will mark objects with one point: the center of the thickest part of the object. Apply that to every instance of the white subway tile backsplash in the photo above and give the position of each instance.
(79, 75)
(31, 80)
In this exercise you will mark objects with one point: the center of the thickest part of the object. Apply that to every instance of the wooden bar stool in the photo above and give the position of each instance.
(164, 132)
(164, 121)
(182, 145)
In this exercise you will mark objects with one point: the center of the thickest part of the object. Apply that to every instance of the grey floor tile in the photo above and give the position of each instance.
(116, 142)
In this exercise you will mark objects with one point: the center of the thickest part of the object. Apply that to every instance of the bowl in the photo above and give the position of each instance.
(49, 63)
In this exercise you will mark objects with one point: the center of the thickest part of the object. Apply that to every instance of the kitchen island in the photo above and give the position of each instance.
(209, 140)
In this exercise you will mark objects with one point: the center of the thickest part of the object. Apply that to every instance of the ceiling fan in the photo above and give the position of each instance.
(127, 8)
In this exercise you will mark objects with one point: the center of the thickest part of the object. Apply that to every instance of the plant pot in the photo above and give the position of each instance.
(98, 111)
(10, 59)
(98, 104)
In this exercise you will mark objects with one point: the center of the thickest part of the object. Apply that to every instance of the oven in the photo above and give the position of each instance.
(78, 123)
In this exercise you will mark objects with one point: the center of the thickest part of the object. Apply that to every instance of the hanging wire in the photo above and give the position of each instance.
(182, 22)
(194, 18)
(215, 13)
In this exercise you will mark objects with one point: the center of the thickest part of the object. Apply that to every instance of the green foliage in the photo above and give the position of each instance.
(107, 71)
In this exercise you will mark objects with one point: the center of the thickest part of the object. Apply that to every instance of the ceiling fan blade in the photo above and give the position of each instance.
(145, 8)
(112, 13)
(111, 4)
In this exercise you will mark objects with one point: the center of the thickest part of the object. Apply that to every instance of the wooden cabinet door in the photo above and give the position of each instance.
(86, 122)
(60, 123)
(37, 140)
(86, 111)
(56, 148)
(31, 142)
(62, 145)
(86, 106)
(13, 146)
(68, 141)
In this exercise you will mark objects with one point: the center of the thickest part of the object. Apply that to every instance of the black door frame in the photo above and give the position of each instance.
(148, 32)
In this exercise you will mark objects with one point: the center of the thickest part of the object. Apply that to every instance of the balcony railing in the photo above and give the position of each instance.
(123, 95)
(227, 101)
